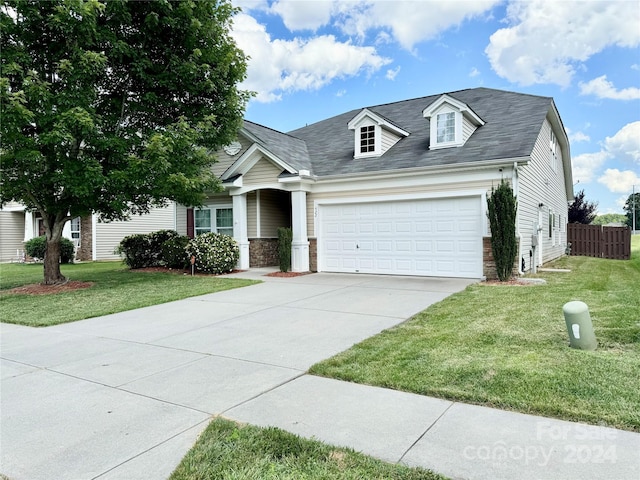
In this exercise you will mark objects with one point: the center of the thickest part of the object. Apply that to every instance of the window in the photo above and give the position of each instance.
(553, 152)
(446, 125)
(75, 231)
(222, 221)
(368, 139)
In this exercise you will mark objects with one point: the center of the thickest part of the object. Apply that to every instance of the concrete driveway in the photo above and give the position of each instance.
(124, 396)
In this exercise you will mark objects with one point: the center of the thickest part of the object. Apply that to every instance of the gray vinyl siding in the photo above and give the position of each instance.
(275, 212)
(252, 214)
(539, 183)
(11, 235)
(181, 219)
(224, 161)
(109, 234)
(262, 173)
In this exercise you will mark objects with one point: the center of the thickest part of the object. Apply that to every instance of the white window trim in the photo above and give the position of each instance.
(213, 216)
(377, 138)
(457, 141)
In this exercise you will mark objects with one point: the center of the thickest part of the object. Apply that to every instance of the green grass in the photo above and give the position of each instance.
(115, 289)
(229, 451)
(507, 347)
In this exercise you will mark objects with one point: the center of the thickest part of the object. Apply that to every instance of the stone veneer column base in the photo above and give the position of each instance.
(263, 252)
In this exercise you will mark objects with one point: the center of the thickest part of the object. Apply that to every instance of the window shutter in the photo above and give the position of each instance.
(190, 223)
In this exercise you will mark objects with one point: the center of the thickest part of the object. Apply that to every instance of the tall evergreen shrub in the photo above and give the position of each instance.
(502, 207)
(285, 236)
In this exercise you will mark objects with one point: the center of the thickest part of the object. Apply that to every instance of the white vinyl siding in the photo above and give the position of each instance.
(388, 139)
(467, 129)
(109, 234)
(538, 183)
(11, 235)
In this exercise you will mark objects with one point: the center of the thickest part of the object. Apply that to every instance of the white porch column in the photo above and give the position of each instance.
(240, 229)
(66, 230)
(300, 242)
(28, 225)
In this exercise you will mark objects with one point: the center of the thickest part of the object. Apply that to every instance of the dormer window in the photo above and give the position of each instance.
(367, 139)
(446, 126)
(374, 134)
(452, 122)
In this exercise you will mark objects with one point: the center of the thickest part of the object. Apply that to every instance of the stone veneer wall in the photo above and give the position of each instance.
(313, 254)
(489, 264)
(263, 252)
(85, 252)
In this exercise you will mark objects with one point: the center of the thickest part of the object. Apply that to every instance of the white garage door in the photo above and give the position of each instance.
(434, 237)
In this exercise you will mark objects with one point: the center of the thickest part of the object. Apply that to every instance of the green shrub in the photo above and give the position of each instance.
(174, 252)
(214, 252)
(142, 250)
(285, 236)
(502, 208)
(37, 246)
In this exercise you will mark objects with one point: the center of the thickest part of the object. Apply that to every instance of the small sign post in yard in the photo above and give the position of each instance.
(193, 264)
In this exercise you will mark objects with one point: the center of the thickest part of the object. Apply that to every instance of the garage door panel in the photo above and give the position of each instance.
(423, 237)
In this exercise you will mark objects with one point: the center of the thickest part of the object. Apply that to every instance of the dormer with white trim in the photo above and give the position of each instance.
(374, 134)
(452, 122)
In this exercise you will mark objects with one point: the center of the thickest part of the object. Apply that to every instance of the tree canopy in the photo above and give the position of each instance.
(114, 107)
(631, 207)
(581, 210)
(609, 218)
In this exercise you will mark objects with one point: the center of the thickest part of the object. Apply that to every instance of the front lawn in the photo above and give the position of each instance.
(229, 451)
(115, 289)
(507, 347)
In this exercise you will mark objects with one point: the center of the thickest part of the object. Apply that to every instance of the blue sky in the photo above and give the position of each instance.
(311, 60)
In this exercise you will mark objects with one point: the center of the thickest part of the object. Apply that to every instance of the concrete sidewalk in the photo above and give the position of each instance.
(125, 396)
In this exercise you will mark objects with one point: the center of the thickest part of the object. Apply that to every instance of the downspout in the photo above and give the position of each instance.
(516, 191)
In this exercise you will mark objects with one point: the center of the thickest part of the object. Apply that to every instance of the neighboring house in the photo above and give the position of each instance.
(94, 240)
(398, 188)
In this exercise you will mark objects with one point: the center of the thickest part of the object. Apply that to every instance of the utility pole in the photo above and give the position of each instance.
(633, 209)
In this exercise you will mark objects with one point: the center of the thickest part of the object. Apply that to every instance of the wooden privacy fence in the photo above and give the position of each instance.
(599, 241)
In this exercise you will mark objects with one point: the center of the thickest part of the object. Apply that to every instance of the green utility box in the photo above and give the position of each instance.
(579, 326)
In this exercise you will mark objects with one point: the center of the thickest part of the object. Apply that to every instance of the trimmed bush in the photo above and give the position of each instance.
(214, 252)
(174, 252)
(144, 249)
(502, 208)
(37, 246)
(285, 235)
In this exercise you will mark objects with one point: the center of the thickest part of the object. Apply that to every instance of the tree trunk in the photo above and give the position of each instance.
(52, 274)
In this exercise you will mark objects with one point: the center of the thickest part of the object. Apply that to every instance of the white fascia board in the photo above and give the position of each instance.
(355, 122)
(249, 158)
(556, 124)
(456, 104)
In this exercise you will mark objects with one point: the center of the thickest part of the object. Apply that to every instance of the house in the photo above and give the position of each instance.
(94, 239)
(399, 188)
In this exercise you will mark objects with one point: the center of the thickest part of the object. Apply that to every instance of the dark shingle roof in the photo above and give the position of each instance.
(512, 124)
(289, 149)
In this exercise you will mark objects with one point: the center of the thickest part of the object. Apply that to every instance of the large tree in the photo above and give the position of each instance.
(113, 107)
(581, 210)
(632, 209)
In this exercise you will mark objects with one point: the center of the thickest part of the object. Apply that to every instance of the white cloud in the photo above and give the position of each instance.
(625, 144)
(619, 182)
(635, 66)
(586, 165)
(303, 14)
(278, 66)
(546, 39)
(603, 88)
(409, 22)
(578, 136)
(393, 73)
(474, 72)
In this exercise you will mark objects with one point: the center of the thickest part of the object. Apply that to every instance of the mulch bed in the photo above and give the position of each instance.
(40, 289)
(286, 274)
